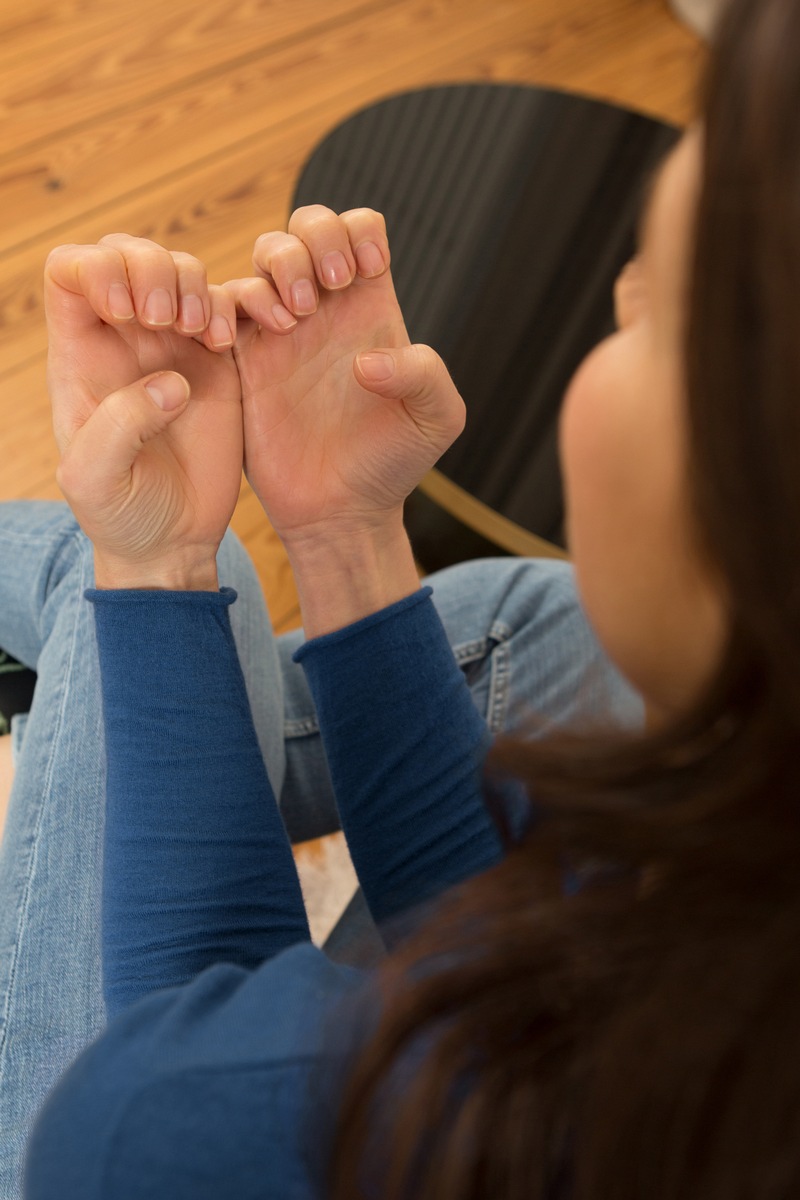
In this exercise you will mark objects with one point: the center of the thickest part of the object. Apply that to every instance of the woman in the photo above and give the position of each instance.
(609, 1007)
(515, 629)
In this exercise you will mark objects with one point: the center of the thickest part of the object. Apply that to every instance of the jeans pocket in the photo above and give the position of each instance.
(486, 666)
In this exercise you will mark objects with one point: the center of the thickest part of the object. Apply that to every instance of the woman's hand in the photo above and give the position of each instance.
(333, 444)
(146, 408)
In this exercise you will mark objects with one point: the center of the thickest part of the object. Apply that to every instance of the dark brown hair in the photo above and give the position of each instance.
(639, 1039)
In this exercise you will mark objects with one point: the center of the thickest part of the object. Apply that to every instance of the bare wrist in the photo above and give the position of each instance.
(175, 575)
(343, 575)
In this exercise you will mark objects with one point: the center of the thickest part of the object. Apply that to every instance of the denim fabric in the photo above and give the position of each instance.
(529, 656)
(517, 632)
(50, 995)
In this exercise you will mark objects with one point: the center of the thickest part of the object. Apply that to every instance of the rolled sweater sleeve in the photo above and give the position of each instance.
(197, 866)
(405, 746)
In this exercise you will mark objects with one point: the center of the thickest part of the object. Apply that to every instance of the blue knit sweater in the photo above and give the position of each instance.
(221, 1012)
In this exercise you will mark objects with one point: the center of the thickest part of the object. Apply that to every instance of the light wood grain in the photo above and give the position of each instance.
(255, 104)
(190, 124)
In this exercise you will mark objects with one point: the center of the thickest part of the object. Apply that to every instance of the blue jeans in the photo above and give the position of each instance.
(515, 627)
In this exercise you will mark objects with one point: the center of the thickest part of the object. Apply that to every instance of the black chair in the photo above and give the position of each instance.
(511, 210)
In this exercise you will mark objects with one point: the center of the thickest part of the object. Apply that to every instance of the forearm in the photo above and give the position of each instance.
(197, 867)
(345, 573)
(405, 746)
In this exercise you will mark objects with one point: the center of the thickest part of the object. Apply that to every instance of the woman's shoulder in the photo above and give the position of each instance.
(206, 1087)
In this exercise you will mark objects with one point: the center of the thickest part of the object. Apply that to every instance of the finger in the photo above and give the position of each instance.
(285, 262)
(221, 331)
(194, 307)
(416, 376)
(153, 279)
(366, 232)
(325, 235)
(98, 460)
(85, 283)
(258, 300)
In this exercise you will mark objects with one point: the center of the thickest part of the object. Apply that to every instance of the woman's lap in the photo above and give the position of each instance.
(515, 627)
(50, 990)
(528, 654)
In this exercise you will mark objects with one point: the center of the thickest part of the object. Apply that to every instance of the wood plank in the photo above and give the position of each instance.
(27, 448)
(50, 184)
(141, 52)
(216, 210)
(191, 126)
(39, 29)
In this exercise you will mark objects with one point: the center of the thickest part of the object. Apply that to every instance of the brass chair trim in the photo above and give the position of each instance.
(483, 520)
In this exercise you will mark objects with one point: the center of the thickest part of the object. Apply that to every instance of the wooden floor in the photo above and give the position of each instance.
(189, 124)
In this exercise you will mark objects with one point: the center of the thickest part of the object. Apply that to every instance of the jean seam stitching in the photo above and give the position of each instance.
(498, 688)
(26, 896)
(466, 653)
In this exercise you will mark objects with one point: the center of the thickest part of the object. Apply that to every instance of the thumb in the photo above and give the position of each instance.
(417, 376)
(102, 453)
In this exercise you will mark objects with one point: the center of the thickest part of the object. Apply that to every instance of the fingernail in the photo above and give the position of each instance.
(158, 309)
(193, 317)
(283, 318)
(168, 391)
(220, 332)
(370, 260)
(335, 269)
(377, 368)
(120, 304)
(304, 297)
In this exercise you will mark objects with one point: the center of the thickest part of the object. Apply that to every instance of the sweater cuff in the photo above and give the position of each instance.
(358, 627)
(221, 599)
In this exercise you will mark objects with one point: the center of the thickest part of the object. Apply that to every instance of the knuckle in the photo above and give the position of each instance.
(366, 217)
(140, 253)
(258, 287)
(312, 218)
(242, 288)
(121, 411)
(421, 371)
(223, 294)
(286, 250)
(428, 363)
(270, 245)
(113, 239)
(58, 252)
(183, 258)
(312, 212)
(57, 256)
(226, 291)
